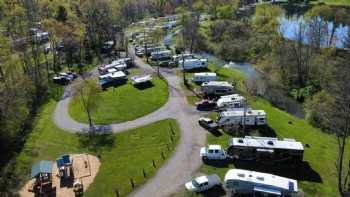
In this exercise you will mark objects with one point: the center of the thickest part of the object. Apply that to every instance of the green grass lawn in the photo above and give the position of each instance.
(123, 103)
(123, 156)
(332, 2)
(317, 177)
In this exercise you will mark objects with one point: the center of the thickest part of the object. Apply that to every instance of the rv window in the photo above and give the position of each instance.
(262, 119)
(240, 141)
(236, 105)
(216, 151)
(260, 178)
(211, 151)
(270, 142)
(203, 63)
(241, 175)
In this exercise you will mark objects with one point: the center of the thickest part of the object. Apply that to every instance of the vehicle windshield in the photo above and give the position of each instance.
(195, 183)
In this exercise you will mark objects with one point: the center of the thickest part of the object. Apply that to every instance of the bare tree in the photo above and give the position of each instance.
(88, 93)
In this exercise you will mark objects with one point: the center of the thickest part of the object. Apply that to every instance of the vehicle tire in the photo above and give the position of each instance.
(205, 158)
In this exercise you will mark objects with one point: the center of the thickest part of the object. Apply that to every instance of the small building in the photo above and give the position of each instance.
(64, 166)
(253, 183)
(217, 88)
(265, 148)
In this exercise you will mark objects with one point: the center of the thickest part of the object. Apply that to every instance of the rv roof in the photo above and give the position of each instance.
(216, 83)
(118, 74)
(262, 142)
(262, 179)
(230, 98)
(205, 74)
(240, 112)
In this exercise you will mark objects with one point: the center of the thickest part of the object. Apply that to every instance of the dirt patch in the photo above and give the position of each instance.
(85, 168)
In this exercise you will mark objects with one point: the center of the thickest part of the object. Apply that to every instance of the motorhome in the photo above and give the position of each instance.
(204, 77)
(190, 64)
(217, 88)
(231, 101)
(136, 80)
(253, 183)
(161, 55)
(242, 116)
(265, 148)
(119, 65)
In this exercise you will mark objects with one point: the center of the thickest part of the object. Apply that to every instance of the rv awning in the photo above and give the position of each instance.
(267, 190)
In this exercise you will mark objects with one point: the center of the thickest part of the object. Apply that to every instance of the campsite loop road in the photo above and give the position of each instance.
(183, 163)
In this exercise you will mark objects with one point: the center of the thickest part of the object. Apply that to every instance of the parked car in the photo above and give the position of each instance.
(207, 123)
(64, 77)
(213, 152)
(203, 183)
(206, 104)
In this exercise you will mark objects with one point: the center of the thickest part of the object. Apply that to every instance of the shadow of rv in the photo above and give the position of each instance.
(265, 131)
(214, 192)
(196, 70)
(300, 171)
(143, 86)
(95, 142)
(218, 163)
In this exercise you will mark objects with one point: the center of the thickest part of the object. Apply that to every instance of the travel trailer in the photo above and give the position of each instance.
(136, 80)
(217, 88)
(231, 101)
(161, 55)
(254, 183)
(115, 78)
(241, 116)
(190, 64)
(119, 65)
(265, 148)
(203, 77)
(177, 58)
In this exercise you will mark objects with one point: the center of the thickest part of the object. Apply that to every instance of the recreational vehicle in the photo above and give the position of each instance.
(241, 116)
(177, 58)
(203, 77)
(136, 80)
(115, 78)
(217, 88)
(265, 148)
(161, 55)
(231, 101)
(190, 64)
(253, 183)
(119, 65)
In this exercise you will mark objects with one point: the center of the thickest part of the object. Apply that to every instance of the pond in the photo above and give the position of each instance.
(290, 26)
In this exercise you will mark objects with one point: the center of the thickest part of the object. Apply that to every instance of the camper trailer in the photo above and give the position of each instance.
(217, 88)
(253, 183)
(118, 65)
(265, 148)
(115, 78)
(161, 55)
(203, 77)
(241, 116)
(177, 58)
(231, 101)
(190, 64)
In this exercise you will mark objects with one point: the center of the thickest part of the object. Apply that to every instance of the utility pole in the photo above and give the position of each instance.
(183, 68)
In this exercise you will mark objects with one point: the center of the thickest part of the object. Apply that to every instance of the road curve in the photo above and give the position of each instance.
(185, 160)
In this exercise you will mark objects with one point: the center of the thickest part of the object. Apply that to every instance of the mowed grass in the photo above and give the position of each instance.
(123, 103)
(333, 2)
(123, 156)
(317, 175)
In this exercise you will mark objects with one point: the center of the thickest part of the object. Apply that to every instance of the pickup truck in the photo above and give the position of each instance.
(203, 183)
(207, 123)
(213, 152)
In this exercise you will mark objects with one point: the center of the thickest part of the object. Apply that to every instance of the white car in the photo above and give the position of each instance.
(213, 152)
(203, 183)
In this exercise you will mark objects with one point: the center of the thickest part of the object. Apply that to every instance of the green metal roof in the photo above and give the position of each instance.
(41, 167)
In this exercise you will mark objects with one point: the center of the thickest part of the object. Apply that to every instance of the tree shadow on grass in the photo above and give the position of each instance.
(300, 171)
(96, 142)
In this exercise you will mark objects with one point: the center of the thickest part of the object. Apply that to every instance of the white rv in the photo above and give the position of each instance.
(177, 58)
(231, 101)
(259, 184)
(161, 55)
(240, 116)
(141, 79)
(217, 88)
(119, 65)
(265, 148)
(203, 77)
(190, 64)
(113, 78)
